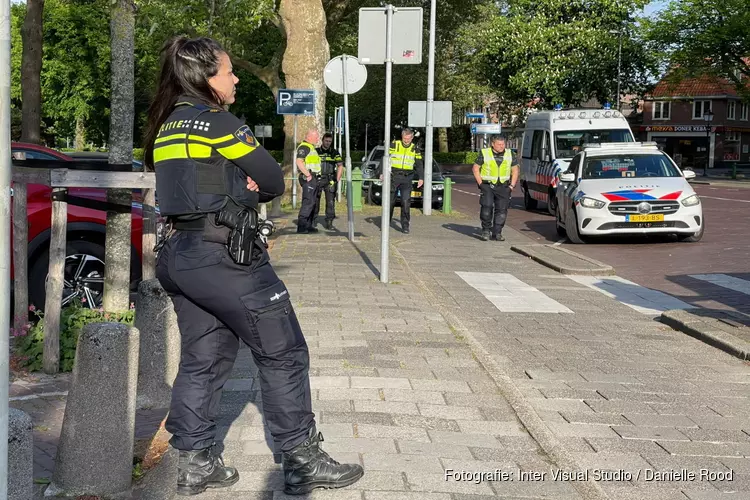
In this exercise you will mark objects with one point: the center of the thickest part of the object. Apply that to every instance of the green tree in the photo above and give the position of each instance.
(543, 52)
(699, 37)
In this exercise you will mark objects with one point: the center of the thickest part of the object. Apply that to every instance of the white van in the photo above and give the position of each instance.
(552, 138)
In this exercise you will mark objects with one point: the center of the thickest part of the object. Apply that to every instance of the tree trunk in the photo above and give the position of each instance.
(117, 253)
(31, 69)
(80, 140)
(443, 140)
(307, 53)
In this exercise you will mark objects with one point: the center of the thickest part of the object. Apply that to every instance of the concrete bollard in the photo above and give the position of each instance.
(95, 453)
(20, 455)
(156, 321)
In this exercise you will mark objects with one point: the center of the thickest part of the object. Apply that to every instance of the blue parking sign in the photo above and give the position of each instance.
(295, 102)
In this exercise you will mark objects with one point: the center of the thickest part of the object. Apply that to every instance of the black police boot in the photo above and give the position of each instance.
(307, 467)
(498, 237)
(485, 234)
(201, 469)
(329, 225)
(405, 227)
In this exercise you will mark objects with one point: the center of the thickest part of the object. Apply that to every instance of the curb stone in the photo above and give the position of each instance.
(707, 330)
(546, 255)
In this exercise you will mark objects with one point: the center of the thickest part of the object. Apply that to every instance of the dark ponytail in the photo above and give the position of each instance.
(187, 65)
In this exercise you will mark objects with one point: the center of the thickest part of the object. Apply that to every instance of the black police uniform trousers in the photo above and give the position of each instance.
(494, 203)
(218, 303)
(403, 180)
(310, 198)
(330, 196)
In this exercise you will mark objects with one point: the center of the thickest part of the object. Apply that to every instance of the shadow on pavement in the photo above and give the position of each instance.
(734, 300)
(472, 231)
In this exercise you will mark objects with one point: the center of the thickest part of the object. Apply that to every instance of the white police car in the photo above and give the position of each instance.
(627, 188)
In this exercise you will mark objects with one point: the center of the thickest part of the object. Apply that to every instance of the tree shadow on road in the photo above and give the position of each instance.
(737, 305)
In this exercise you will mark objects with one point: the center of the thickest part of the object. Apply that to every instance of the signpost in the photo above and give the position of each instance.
(344, 75)
(295, 102)
(5, 177)
(389, 36)
(442, 114)
(263, 131)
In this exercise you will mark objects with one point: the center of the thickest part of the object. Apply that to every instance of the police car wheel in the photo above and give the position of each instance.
(692, 238)
(529, 203)
(552, 203)
(560, 229)
(571, 228)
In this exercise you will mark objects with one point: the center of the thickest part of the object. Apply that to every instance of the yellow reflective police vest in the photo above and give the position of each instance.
(403, 157)
(491, 172)
(312, 160)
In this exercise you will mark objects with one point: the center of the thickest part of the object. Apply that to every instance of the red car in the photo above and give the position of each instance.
(84, 265)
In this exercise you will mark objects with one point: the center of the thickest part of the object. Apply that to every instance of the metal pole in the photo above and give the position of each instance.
(427, 187)
(5, 186)
(350, 207)
(385, 217)
(294, 166)
(340, 149)
(366, 140)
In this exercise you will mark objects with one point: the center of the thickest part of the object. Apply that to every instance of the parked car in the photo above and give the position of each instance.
(373, 168)
(84, 265)
(627, 188)
(98, 156)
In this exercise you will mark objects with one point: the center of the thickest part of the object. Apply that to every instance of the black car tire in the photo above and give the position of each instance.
(529, 203)
(552, 202)
(693, 238)
(560, 229)
(40, 267)
(571, 227)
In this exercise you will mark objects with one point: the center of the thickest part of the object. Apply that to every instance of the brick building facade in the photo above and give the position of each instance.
(674, 117)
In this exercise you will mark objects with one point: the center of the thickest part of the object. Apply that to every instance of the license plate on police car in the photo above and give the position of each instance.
(645, 218)
(416, 194)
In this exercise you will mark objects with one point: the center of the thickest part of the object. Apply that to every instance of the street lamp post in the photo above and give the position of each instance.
(708, 116)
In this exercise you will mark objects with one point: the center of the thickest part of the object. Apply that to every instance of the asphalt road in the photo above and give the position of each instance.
(660, 263)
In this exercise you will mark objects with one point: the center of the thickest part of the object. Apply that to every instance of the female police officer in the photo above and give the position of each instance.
(210, 176)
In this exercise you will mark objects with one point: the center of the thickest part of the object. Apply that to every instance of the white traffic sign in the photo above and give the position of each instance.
(356, 74)
(407, 31)
(442, 113)
(263, 131)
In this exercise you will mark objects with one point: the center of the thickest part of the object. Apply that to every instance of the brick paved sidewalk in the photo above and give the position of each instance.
(619, 389)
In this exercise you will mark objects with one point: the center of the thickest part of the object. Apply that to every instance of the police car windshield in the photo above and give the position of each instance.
(569, 143)
(628, 166)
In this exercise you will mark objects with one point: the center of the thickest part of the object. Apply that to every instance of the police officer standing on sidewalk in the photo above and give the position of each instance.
(211, 174)
(406, 164)
(331, 172)
(496, 172)
(309, 166)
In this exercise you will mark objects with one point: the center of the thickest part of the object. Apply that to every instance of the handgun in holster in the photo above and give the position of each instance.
(243, 225)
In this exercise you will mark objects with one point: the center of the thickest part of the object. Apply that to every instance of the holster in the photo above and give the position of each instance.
(237, 228)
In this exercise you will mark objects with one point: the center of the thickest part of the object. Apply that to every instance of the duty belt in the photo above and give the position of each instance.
(189, 225)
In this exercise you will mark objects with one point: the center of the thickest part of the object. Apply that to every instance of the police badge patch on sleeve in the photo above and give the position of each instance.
(244, 135)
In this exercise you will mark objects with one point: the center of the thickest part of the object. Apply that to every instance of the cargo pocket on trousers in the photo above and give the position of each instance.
(272, 319)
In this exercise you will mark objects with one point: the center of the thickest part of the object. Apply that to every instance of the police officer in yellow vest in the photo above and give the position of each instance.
(309, 166)
(496, 172)
(332, 170)
(406, 164)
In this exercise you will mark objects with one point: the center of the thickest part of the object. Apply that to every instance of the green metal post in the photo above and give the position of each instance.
(447, 195)
(356, 189)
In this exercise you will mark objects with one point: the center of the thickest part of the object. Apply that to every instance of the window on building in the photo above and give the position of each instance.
(732, 136)
(731, 110)
(662, 110)
(744, 111)
(700, 108)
